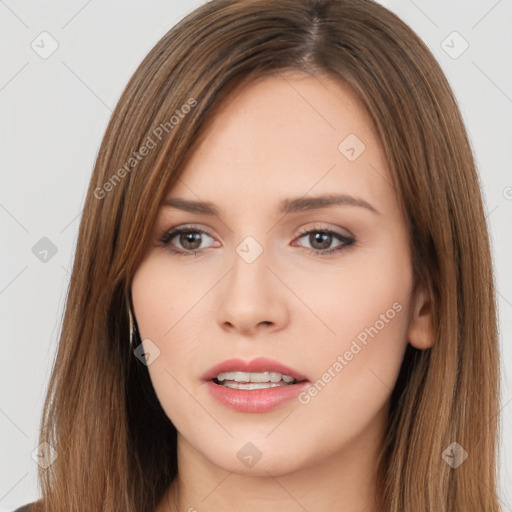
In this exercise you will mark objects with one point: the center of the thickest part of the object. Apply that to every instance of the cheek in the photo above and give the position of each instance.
(159, 302)
(149, 299)
(353, 292)
(163, 296)
(169, 309)
(364, 307)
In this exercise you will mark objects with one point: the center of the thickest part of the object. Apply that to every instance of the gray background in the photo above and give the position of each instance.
(54, 111)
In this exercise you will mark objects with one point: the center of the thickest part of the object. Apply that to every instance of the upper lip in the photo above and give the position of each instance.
(260, 364)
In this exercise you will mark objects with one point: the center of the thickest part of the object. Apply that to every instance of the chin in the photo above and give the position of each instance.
(259, 457)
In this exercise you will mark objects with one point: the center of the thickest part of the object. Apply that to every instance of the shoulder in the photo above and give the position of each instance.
(29, 507)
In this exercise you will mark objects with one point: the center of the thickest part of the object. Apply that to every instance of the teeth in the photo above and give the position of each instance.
(261, 377)
(252, 385)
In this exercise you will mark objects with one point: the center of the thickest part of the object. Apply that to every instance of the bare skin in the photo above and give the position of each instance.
(279, 139)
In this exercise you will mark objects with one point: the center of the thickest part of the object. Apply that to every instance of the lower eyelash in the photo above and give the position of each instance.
(169, 235)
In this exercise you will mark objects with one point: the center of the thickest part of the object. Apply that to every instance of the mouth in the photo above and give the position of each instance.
(259, 385)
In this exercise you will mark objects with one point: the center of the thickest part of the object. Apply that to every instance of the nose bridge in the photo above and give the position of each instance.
(249, 296)
(250, 274)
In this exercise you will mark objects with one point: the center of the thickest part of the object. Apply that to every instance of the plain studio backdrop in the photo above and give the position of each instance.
(63, 68)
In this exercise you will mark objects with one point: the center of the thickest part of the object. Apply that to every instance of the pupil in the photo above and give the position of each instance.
(318, 237)
(187, 240)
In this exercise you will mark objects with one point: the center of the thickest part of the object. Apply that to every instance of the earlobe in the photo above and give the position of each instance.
(420, 334)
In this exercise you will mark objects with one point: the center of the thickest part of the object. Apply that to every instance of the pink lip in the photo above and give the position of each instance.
(256, 400)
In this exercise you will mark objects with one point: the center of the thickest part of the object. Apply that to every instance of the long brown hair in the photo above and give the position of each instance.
(116, 447)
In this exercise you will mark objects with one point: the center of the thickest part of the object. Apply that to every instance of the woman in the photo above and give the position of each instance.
(282, 296)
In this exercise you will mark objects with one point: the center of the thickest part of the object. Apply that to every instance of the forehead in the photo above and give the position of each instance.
(286, 135)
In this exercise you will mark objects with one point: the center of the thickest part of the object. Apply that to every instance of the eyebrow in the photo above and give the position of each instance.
(286, 206)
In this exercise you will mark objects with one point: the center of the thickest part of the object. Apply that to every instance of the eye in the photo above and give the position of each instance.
(190, 238)
(321, 239)
(190, 241)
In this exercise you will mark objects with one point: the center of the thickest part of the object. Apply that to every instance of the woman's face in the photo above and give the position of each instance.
(305, 262)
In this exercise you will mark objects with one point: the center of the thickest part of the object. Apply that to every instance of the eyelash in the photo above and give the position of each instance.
(167, 236)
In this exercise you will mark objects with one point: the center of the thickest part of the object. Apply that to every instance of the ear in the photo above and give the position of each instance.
(420, 333)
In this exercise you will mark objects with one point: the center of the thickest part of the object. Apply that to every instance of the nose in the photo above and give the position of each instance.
(252, 298)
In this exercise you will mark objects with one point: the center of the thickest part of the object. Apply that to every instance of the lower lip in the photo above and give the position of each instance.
(255, 400)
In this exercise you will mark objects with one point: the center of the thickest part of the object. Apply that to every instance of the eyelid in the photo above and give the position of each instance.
(322, 226)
